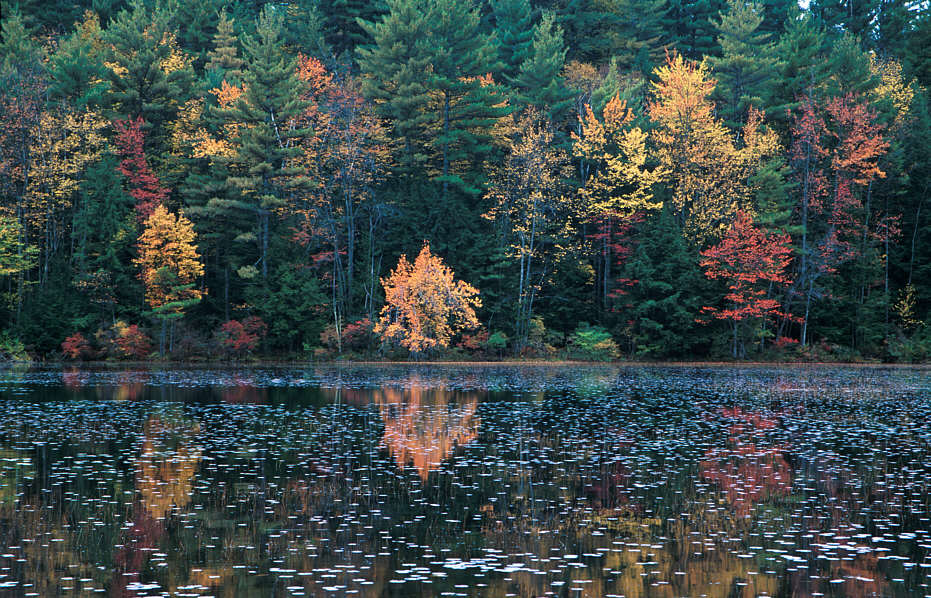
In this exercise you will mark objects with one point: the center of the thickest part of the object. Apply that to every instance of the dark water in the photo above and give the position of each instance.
(431, 481)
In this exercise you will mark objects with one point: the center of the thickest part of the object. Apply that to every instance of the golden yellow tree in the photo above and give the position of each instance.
(425, 305)
(619, 181)
(169, 266)
(708, 173)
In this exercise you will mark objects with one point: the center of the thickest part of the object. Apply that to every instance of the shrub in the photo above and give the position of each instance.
(239, 338)
(124, 341)
(592, 343)
(12, 349)
(356, 336)
(474, 343)
(76, 347)
(497, 343)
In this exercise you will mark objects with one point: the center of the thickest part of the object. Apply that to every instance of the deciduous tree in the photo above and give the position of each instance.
(425, 305)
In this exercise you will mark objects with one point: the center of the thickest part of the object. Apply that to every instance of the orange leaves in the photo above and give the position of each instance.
(168, 259)
(227, 94)
(144, 186)
(859, 137)
(425, 305)
(749, 259)
(314, 73)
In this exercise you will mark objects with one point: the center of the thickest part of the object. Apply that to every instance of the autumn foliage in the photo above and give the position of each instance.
(143, 185)
(425, 305)
(237, 337)
(168, 260)
(749, 260)
(76, 347)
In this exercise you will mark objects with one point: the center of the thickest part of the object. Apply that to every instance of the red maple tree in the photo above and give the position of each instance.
(749, 259)
(144, 186)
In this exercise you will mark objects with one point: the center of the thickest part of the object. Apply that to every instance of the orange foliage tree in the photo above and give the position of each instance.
(170, 266)
(751, 261)
(425, 305)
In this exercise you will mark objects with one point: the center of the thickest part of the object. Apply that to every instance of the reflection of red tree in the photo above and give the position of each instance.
(244, 391)
(422, 428)
(73, 379)
(748, 474)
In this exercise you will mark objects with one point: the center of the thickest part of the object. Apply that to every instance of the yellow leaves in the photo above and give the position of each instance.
(117, 68)
(227, 94)
(893, 86)
(64, 144)
(177, 59)
(168, 259)
(425, 305)
(620, 182)
(708, 173)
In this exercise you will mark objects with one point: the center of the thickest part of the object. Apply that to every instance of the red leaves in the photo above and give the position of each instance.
(242, 337)
(749, 259)
(132, 342)
(76, 347)
(144, 186)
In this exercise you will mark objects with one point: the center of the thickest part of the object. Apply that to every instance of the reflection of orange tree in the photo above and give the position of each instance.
(748, 474)
(164, 482)
(422, 428)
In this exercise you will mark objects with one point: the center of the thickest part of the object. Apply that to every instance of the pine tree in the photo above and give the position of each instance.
(855, 17)
(690, 27)
(661, 306)
(267, 109)
(196, 24)
(341, 28)
(514, 34)
(746, 68)
(148, 76)
(801, 55)
(224, 58)
(638, 40)
(395, 75)
(540, 83)
(78, 76)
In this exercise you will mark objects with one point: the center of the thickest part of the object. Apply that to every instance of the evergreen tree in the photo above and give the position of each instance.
(78, 76)
(395, 75)
(776, 14)
(196, 24)
(267, 176)
(148, 77)
(746, 68)
(801, 55)
(341, 28)
(514, 33)
(690, 27)
(855, 17)
(18, 51)
(638, 38)
(223, 58)
(918, 56)
(663, 303)
(539, 82)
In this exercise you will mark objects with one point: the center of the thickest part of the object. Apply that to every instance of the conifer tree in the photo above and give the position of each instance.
(148, 76)
(267, 176)
(76, 69)
(746, 67)
(514, 33)
(638, 38)
(341, 28)
(540, 83)
(690, 27)
(196, 26)
(224, 58)
(394, 69)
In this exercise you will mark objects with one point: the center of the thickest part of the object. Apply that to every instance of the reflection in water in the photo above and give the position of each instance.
(748, 474)
(644, 483)
(424, 427)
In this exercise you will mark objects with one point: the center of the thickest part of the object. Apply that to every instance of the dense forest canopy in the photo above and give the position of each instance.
(641, 178)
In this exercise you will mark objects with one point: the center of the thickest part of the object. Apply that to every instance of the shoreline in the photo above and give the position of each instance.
(460, 363)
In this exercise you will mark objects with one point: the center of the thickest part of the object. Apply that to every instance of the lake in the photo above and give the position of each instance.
(576, 481)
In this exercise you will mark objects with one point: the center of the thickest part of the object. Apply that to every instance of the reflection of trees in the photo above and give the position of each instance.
(423, 427)
(748, 474)
(245, 391)
(164, 482)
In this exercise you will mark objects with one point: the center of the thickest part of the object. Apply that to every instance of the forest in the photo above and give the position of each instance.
(465, 179)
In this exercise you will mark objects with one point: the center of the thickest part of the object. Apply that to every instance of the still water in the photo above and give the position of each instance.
(447, 481)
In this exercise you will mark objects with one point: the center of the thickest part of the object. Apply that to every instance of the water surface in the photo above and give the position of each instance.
(447, 481)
